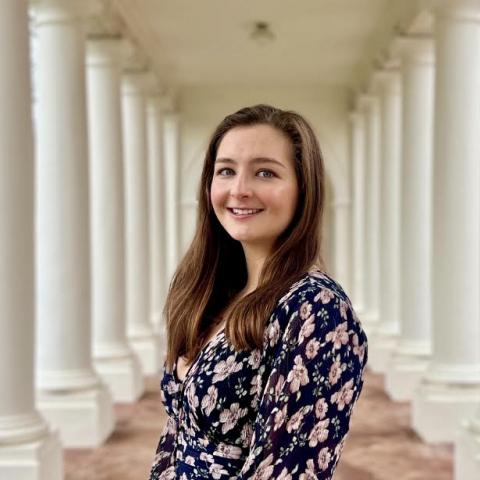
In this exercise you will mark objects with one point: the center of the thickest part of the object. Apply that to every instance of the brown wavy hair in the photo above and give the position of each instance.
(213, 270)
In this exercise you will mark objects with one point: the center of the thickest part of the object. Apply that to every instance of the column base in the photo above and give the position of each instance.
(41, 459)
(403, 376)
(438, 409)
(467, 453)
(380, 350)
(148, 351)
(123, 376)
(84, 418)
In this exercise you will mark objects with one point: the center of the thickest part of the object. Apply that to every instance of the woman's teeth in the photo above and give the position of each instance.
(242, 211)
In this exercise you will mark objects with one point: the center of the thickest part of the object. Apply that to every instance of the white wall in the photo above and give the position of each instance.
(202, 108)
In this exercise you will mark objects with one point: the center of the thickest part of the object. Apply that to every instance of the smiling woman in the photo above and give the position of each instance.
(265, 353)
(255, 197)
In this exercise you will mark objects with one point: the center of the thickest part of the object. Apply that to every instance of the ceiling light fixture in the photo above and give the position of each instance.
(262, 34)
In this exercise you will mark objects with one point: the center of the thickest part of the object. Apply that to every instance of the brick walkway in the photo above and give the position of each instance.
(380, 446)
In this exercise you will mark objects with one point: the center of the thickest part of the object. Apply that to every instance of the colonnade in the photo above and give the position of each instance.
(83, 213)
(90, 231)
(416, 166)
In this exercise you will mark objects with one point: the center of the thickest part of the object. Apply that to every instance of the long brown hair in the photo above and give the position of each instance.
(213, 270)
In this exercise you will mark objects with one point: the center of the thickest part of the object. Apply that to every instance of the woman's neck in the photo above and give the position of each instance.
(254, 259)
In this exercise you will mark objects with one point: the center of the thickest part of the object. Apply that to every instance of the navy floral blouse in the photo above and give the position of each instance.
(282, 412)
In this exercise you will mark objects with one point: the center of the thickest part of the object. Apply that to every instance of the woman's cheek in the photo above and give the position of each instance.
(217, 196)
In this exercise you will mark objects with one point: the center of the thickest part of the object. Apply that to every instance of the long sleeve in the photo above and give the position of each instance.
(163, 467)
(315, 380)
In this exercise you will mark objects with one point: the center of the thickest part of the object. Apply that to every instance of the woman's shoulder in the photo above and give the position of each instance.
(313, 282)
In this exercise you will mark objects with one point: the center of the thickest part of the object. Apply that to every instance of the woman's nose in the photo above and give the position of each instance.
(241, 187)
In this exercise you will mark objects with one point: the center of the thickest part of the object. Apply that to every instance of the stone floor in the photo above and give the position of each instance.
(380, 445)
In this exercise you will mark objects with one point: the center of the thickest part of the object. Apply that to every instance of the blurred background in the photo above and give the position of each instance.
(106, 107)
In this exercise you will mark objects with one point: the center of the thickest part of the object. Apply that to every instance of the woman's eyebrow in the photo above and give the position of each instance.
(253, 160)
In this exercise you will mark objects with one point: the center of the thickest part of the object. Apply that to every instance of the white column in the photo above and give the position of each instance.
(414, 348)
(70, 394)
(28, 449)
(157, 212)
(370, 106)
(457, 40)
(171, 168)
(384, 340)
(357, 148)
(114, 360)
(450, 390)
(342, 239)
(139, 327)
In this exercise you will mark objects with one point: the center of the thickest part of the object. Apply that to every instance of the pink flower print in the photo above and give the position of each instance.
(217, 470)
(228, 451)
(255, 358)
(339, 336)
(307, 328)
(358, 350)
(172, 387)
(312, 348)
(319, 433)
(325, 295)
(309, 472)
(343, 309)
(344, 396)
(305, 310)
(335, 372)
(209, 400)
(298, 375)
(256, 384)
(273, 333)
(230, 416)
(279, 418)
(206, 457)
(189, 460)
(324, 459)
(279, 386)
(246, 434)
(295, 421)
(265, 469)
(224, 368)
(319, 275)
(168, 474)
(191, 397)
(321, 408)
(284, 475)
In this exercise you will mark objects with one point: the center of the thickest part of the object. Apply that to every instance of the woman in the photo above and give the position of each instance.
(265, 353)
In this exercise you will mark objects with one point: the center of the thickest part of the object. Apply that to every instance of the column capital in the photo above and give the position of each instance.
(375, 83)
(459, 10)
(61, 11)
(104, 51)
(135, 82)
(416, 48)
(367, 101)
(390, 82)
(164, 103)
(134, 59)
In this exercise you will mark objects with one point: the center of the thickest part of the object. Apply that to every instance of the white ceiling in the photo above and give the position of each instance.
(318, 42)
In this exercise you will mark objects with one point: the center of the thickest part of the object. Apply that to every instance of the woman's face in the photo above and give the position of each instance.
(254, 189)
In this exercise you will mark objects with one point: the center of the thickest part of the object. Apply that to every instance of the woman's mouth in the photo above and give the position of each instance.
(244, 212)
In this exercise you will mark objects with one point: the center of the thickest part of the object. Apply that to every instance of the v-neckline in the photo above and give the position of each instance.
(203, 350)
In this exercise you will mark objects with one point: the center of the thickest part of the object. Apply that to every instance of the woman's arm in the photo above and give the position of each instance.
(163, 467)
(305, 408)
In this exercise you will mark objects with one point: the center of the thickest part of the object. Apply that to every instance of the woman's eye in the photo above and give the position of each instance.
(266, 173)
(224, 171)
